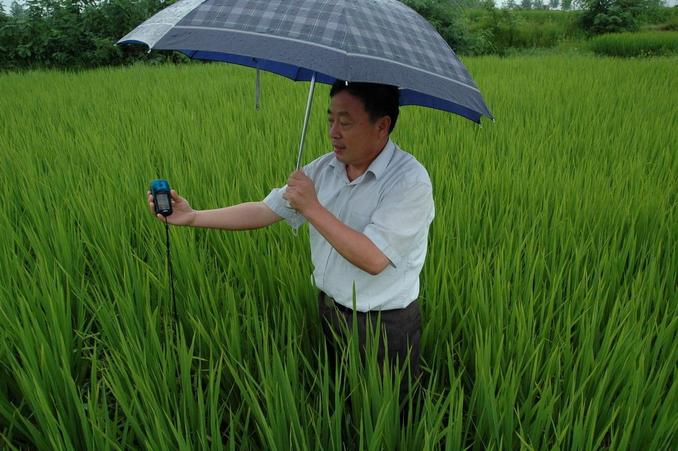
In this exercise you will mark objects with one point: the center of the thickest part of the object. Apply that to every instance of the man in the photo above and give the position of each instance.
(369, 206)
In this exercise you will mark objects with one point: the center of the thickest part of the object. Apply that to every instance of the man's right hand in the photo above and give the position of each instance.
(182, 213)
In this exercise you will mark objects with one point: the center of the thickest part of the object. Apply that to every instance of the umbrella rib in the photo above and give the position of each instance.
(193, 27)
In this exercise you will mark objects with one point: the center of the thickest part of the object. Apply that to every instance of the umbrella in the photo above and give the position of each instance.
(375, 41)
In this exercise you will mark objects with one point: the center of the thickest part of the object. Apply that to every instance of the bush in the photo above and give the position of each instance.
(74, 34)
(654, 43)
(658, 15)
(450, 20)
(613, 16)
(670, 25)
(523, 29)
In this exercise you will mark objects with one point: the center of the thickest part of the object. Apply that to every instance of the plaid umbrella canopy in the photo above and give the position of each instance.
(377, 41)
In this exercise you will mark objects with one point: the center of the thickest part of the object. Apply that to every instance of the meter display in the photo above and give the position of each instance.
(160, 190)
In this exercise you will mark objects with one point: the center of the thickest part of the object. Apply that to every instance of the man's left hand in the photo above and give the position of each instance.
(300, 193)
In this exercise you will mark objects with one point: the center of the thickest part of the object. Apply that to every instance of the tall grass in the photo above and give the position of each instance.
(649, 43)
(549, 295)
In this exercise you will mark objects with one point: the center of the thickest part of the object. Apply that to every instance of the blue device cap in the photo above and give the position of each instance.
(160, 185)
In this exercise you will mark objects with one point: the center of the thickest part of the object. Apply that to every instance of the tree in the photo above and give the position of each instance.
(73, 33)
(448, 19)
(553, 4)
(609, 16)
(566, 5)
(16, 10)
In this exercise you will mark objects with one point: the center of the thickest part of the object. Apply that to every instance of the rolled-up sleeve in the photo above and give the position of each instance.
(399, 225)
(275, 202)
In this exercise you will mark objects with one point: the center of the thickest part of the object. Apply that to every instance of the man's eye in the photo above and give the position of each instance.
(344, 124)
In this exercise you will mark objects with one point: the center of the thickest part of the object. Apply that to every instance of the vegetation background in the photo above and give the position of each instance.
(549, 294)
(550, 297)
(72, 34)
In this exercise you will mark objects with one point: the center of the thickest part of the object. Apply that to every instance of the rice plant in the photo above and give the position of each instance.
(549, 295)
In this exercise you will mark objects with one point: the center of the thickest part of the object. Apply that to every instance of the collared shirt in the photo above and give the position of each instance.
(392, 204)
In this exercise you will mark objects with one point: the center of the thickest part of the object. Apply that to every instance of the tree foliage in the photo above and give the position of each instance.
(72, 33)
(82, 33)
(451, 22)
(611, 16)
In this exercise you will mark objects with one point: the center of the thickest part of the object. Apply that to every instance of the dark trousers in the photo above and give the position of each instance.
(401, 327)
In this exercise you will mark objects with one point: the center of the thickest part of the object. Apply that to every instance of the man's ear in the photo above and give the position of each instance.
(384, 124)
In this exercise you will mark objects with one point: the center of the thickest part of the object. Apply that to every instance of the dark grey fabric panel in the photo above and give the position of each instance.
(379, 41)
(324, 60)
(384, 28)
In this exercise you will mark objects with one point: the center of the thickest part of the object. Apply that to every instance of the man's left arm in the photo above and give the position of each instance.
(354, 246)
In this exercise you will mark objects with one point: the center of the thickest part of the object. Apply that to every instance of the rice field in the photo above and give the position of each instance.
(549, 297)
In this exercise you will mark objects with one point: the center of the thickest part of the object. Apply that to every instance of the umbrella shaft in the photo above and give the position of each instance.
(306, 115)
(257, 90)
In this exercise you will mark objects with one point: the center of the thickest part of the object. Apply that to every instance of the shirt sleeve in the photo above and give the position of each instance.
(400, 222)
(275, 202)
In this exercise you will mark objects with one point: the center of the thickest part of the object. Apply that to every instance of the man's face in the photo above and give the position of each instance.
(355, 139)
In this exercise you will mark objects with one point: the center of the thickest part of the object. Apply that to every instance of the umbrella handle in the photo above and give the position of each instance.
(309, 102)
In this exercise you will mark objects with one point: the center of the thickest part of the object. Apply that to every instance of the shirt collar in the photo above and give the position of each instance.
(378, 165)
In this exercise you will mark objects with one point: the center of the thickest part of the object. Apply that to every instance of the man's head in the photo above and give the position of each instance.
(361, 116)
(378, 100)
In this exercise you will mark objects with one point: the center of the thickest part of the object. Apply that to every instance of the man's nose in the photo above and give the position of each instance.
(334, 130)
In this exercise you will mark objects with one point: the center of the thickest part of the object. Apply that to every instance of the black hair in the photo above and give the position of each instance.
(379, 100)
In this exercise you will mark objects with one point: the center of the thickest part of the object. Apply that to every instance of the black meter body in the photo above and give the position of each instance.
(162, 198)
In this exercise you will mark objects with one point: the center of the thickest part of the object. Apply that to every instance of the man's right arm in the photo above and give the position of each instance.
(246, 216)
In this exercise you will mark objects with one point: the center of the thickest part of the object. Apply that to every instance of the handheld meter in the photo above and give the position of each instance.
(162, 199)
(162, 203)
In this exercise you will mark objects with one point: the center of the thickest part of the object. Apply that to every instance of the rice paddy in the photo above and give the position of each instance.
(549, 296)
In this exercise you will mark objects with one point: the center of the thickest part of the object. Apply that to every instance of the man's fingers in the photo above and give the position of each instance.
(296, 175)
(297, 178)
(289, 194)
(175, 196)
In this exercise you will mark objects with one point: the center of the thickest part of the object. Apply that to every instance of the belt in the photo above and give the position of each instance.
(343, 308)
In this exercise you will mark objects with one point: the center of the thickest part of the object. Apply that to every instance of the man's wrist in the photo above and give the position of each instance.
(193, 222)
(312, 213)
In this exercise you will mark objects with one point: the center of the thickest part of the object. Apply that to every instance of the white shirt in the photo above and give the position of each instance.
(392, 204)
